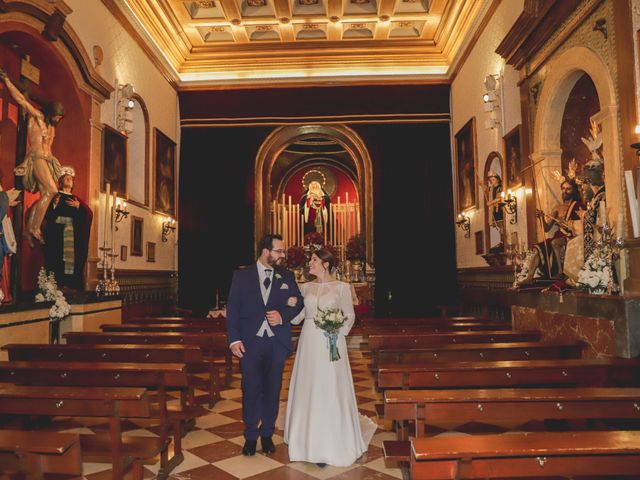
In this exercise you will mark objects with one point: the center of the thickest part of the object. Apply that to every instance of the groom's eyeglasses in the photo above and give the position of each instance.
(278, 250)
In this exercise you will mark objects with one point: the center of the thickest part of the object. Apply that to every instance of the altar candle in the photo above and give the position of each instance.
(107, 213)
(620, 226)
(602, 213)
(113, 222)
(290, 224)
(346, 205)
(358, 218)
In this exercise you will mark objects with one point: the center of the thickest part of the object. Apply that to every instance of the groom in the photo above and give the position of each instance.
(260, 336)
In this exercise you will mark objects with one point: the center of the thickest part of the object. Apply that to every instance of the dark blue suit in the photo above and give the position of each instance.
(264, 357)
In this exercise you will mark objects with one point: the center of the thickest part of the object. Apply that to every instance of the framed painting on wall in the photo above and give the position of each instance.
(114, 161)
(164, 174)
(466, 166)
(151, 252)
(136, 236)
(513, 158)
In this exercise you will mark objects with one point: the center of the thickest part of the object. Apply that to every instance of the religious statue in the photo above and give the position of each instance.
(593, 176)
(314, 205)
(66, 231)
(7, 240)
(493, 189)
(548, 256)
(40, 168)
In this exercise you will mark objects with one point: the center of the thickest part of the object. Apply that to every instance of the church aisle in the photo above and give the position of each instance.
(213, 450)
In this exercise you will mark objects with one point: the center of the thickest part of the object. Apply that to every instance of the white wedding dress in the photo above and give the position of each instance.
(322, 423)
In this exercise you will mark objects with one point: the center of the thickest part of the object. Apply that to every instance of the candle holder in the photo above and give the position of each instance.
(122, 212)
(168, 226)
(509, 202)
(464, 223)
(102, 286)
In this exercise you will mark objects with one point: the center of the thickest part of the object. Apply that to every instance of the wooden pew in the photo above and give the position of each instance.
(378, 342)
(477, 352)
(409, 321)
(535, 455)
(165, 327)
(435, 328)
(561, 372)
(156, 375)
(509, 405)
(188, 354)
(221, 322)
(110, 403)
(34, 454)
(214, 347)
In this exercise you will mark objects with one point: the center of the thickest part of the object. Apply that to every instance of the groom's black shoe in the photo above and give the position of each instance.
(267, 445)
(249, 448)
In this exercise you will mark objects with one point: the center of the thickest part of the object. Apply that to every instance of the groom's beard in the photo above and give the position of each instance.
(275, 262)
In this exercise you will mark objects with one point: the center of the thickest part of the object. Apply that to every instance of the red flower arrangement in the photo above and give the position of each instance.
(296, 257)
(313, 238)
(355, 248)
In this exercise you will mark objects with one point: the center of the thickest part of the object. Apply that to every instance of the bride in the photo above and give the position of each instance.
(322, 423)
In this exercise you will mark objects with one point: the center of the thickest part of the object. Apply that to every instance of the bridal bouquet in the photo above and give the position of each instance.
(330, 320)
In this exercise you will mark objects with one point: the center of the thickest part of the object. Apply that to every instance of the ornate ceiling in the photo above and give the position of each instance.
(212, 42)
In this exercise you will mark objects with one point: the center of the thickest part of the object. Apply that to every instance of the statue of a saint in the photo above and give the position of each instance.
(493, 189)
(66, 229)
(314, 205)
(549, 255)
(40, 168)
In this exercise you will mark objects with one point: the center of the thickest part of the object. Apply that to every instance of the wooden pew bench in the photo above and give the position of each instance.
(386, 342)
(219, 322)
(188, 354)
(158, 376)
(515, 406)
(36, 453)
(164, 327)
(214, 347)
(430, 328)
(110, 403)
(408, 321)
(477, 352)
(564, 372)
(535, 455)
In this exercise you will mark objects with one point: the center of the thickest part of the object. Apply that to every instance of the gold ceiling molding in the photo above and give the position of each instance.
(207, 43)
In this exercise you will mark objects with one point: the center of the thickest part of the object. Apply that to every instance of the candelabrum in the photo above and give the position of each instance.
(108, 285)
(122, 212)
(464, 223)
(614, 245)
(168, 226)
(509, 202)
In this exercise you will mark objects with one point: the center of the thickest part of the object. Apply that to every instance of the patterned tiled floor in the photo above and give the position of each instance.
(213, 449)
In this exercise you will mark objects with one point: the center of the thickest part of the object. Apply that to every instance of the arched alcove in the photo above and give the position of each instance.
(138, 145)
(564, 72)
(278, 141)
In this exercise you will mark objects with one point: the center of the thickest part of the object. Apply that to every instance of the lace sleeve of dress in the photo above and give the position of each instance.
(297, 320)
(346, 304)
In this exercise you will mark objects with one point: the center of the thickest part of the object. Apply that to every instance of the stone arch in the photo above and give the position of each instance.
(563, 73)
(278, 140)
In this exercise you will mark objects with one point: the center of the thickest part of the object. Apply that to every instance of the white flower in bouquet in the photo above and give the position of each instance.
(330, 320)
(596, 272)
(523, 272)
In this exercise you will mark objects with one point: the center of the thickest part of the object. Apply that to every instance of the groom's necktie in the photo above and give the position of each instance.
(267, 278)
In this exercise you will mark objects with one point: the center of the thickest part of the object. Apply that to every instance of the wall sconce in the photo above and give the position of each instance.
(491, 100)
(464, 223)
(509, 202)
(168, 226)
(122, 211)
(124, 120)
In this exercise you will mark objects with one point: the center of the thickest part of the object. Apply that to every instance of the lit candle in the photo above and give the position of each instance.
(620, 226)
(502, 195)
(113, 222)
(602, 213)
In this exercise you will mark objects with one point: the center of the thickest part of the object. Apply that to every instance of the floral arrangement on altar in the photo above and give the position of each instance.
(356, 248)
(596, 273)
(329, 320)
(296, 257)
(522, 263)
(314, 239)
(49, 293)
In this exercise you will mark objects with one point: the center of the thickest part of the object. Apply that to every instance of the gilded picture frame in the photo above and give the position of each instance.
(466, 166)
(164, 174)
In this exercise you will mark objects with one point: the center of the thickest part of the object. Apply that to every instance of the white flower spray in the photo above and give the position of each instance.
(49, 293)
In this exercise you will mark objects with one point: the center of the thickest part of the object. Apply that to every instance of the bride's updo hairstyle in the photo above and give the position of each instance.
(326, 256)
